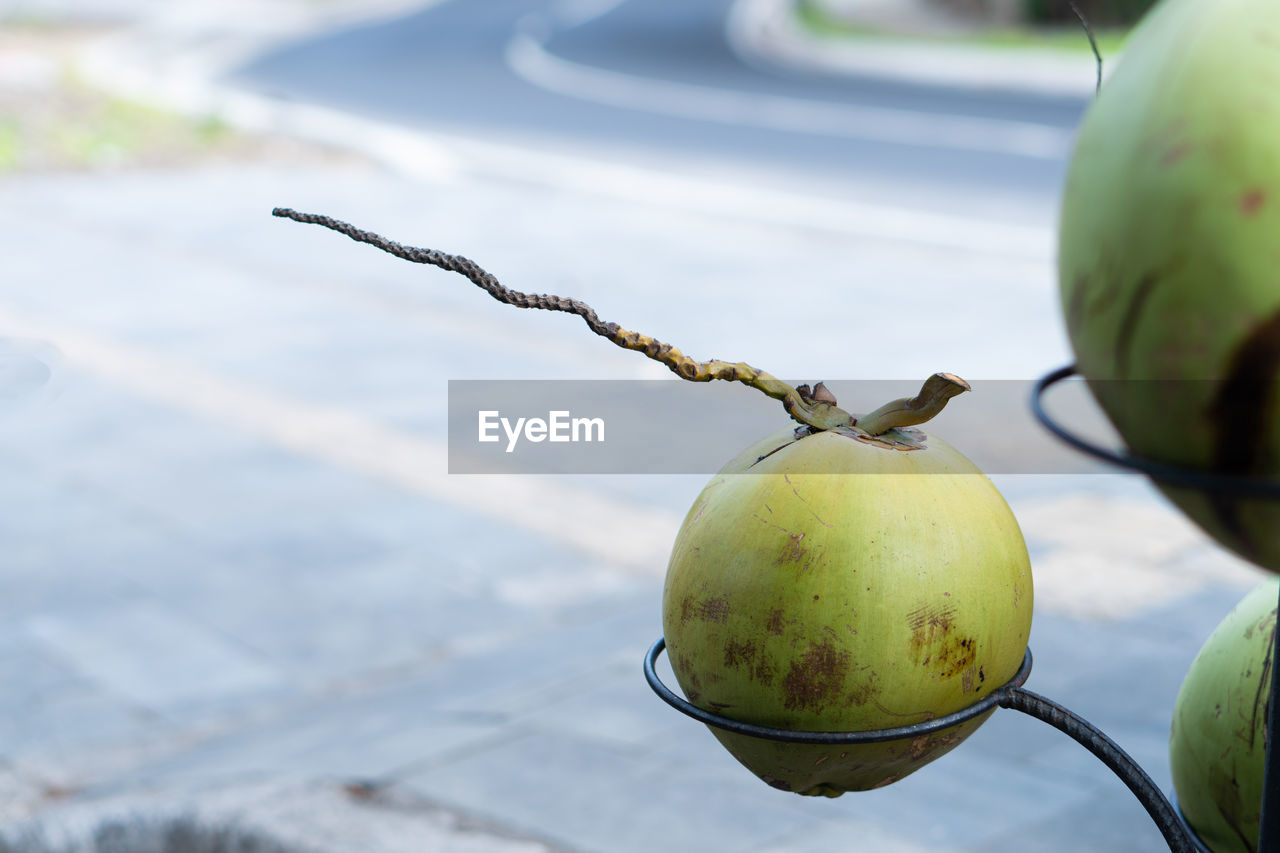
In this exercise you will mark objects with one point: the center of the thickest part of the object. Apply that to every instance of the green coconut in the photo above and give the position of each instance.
(848, 575)
(1217, 744)
(1169, 252)
(840, 582)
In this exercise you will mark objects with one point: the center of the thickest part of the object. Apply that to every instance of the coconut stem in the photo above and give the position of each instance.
(815, 408)
(909, 411)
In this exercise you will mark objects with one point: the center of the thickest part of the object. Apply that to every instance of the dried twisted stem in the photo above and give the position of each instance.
(817, 413)
(461, 265)
(814, 407)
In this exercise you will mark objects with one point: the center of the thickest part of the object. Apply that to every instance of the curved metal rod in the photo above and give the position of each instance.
(1166, 818)
(1011, 695)
(982, 706)
(1173, 475)
(1200, 845)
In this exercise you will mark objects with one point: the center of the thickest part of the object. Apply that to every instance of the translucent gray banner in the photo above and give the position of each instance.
(677, 427)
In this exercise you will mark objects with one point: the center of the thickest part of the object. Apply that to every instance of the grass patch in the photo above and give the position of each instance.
(52, 118)
(9, 144)
(71, 125)
(107, 131)
(1069, 40)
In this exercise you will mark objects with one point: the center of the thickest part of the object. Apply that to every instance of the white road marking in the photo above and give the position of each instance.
(443, 158)
(727, 198)
(614, 532)
(528, 57)
(448, 158)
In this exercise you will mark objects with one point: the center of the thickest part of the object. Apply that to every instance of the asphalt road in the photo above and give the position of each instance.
(658, 83)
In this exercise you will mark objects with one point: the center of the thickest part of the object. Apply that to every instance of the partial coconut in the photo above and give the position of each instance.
(851, 574)
(1169, 252)
(1217, 745)
(836, 582)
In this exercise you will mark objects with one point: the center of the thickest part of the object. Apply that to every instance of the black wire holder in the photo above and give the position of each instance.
(1177, 834)
(1173, 475)
(1009, 695)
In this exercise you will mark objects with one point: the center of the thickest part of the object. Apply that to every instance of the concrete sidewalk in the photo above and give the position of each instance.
(208, 594)
(238, 583)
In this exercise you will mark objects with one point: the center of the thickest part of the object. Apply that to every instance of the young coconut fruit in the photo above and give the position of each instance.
(1217, 745)
(837, 581)
(850, 575)
(1169, 253)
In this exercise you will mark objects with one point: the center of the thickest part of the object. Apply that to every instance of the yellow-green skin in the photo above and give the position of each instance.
(1169, 256)
(838, 585)
(1218, 741)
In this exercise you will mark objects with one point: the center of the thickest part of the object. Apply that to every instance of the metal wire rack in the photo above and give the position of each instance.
(1012, 695)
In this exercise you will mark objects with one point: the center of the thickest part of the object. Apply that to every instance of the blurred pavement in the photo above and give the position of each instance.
(239, 583)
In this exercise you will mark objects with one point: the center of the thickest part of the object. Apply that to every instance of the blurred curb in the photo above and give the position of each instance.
(177, 61)
(184, 73)
(767, 32)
